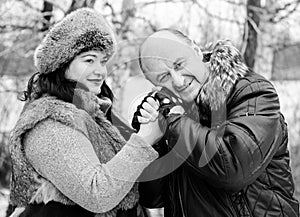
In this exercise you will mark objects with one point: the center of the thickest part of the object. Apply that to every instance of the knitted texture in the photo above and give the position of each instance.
(26, 183)
(82, 30)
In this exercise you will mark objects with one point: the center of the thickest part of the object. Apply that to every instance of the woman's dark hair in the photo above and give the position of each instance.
(55, 84)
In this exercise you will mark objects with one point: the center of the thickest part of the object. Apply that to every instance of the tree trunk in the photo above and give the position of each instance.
(47, 14)
(250, 33)
(76, 4)
(128, 10)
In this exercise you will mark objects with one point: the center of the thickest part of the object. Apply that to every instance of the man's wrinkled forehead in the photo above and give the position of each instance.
(163, 45)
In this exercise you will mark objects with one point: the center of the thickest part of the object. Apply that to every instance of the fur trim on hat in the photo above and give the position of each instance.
(80, 31)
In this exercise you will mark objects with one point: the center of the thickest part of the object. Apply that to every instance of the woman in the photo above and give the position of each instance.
(68, 159)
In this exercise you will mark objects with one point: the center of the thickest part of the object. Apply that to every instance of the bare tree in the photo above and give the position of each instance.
(47, 14)
(281, 12)
(251, 31)
(81, 3)
(272, 13)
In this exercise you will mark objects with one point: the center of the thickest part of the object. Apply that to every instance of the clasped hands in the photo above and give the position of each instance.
(151, 115)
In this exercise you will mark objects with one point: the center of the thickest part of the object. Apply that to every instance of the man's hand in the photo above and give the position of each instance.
(168, 104)
(149, 127)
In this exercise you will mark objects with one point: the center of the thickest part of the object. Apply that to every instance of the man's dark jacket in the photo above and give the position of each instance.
(234, 167)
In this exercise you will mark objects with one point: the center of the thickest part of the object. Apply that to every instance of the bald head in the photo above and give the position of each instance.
(153, 43)
(171, 34)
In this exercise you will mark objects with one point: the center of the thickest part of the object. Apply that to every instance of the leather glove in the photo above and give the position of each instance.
(166, 103)
(164, 97)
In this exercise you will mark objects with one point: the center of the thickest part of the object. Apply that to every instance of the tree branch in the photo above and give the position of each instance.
(14, 27)
(277, 18)
(284, 7)
(47, 14)
(254, 25)
(111, 8)
(56, 6)
(79, 4)
(7, 7)
(250, 37)
(153, 27)
(245, 39)
(240, 3)
(143, 4)
(15, 47)
(216, 16)
(28, 4)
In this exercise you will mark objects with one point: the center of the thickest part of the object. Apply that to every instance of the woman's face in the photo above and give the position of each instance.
(88, 68)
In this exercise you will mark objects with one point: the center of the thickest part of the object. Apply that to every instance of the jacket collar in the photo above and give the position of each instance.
(225, 69)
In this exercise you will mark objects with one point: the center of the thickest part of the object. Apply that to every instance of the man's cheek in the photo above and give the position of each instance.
(170, 87)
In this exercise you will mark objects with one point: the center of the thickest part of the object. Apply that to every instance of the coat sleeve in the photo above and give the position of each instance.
(152, 193)
(67, 159)
(234, 154)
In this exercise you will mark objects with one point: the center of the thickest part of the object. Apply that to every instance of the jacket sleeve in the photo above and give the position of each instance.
(152, 193)
(152, 182)
(67, 159)
(232, 155)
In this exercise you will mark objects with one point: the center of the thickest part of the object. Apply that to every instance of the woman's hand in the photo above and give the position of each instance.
(150, 129)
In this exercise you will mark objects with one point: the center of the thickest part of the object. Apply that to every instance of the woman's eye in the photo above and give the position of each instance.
(104, 61)
(89, 60)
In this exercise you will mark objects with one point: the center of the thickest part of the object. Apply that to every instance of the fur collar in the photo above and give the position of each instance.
(225, 69)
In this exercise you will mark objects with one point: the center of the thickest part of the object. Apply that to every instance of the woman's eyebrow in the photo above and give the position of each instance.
(105, 58)
(89, 54)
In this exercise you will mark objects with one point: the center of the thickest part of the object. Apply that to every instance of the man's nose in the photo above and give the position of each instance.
(178, 79)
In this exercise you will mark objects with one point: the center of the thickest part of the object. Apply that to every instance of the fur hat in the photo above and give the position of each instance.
(80, 31)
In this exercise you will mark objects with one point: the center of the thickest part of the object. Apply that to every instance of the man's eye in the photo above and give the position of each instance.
(164, 78)
(178, 65)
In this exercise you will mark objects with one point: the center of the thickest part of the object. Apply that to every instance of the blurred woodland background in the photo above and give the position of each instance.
(267, 32)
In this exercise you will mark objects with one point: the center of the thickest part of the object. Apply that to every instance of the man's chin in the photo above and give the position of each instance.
(187, 99)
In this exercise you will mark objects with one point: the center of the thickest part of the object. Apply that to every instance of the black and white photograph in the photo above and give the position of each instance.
(149, 108)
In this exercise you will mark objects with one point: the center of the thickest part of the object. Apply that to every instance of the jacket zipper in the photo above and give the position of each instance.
(180, 200)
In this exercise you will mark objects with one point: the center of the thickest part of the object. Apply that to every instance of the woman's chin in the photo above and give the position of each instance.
(95, 90)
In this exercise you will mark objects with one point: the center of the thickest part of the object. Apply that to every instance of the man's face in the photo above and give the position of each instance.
(168, 61)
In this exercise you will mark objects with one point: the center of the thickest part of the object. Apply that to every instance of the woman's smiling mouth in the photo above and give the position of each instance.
(96, 80)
